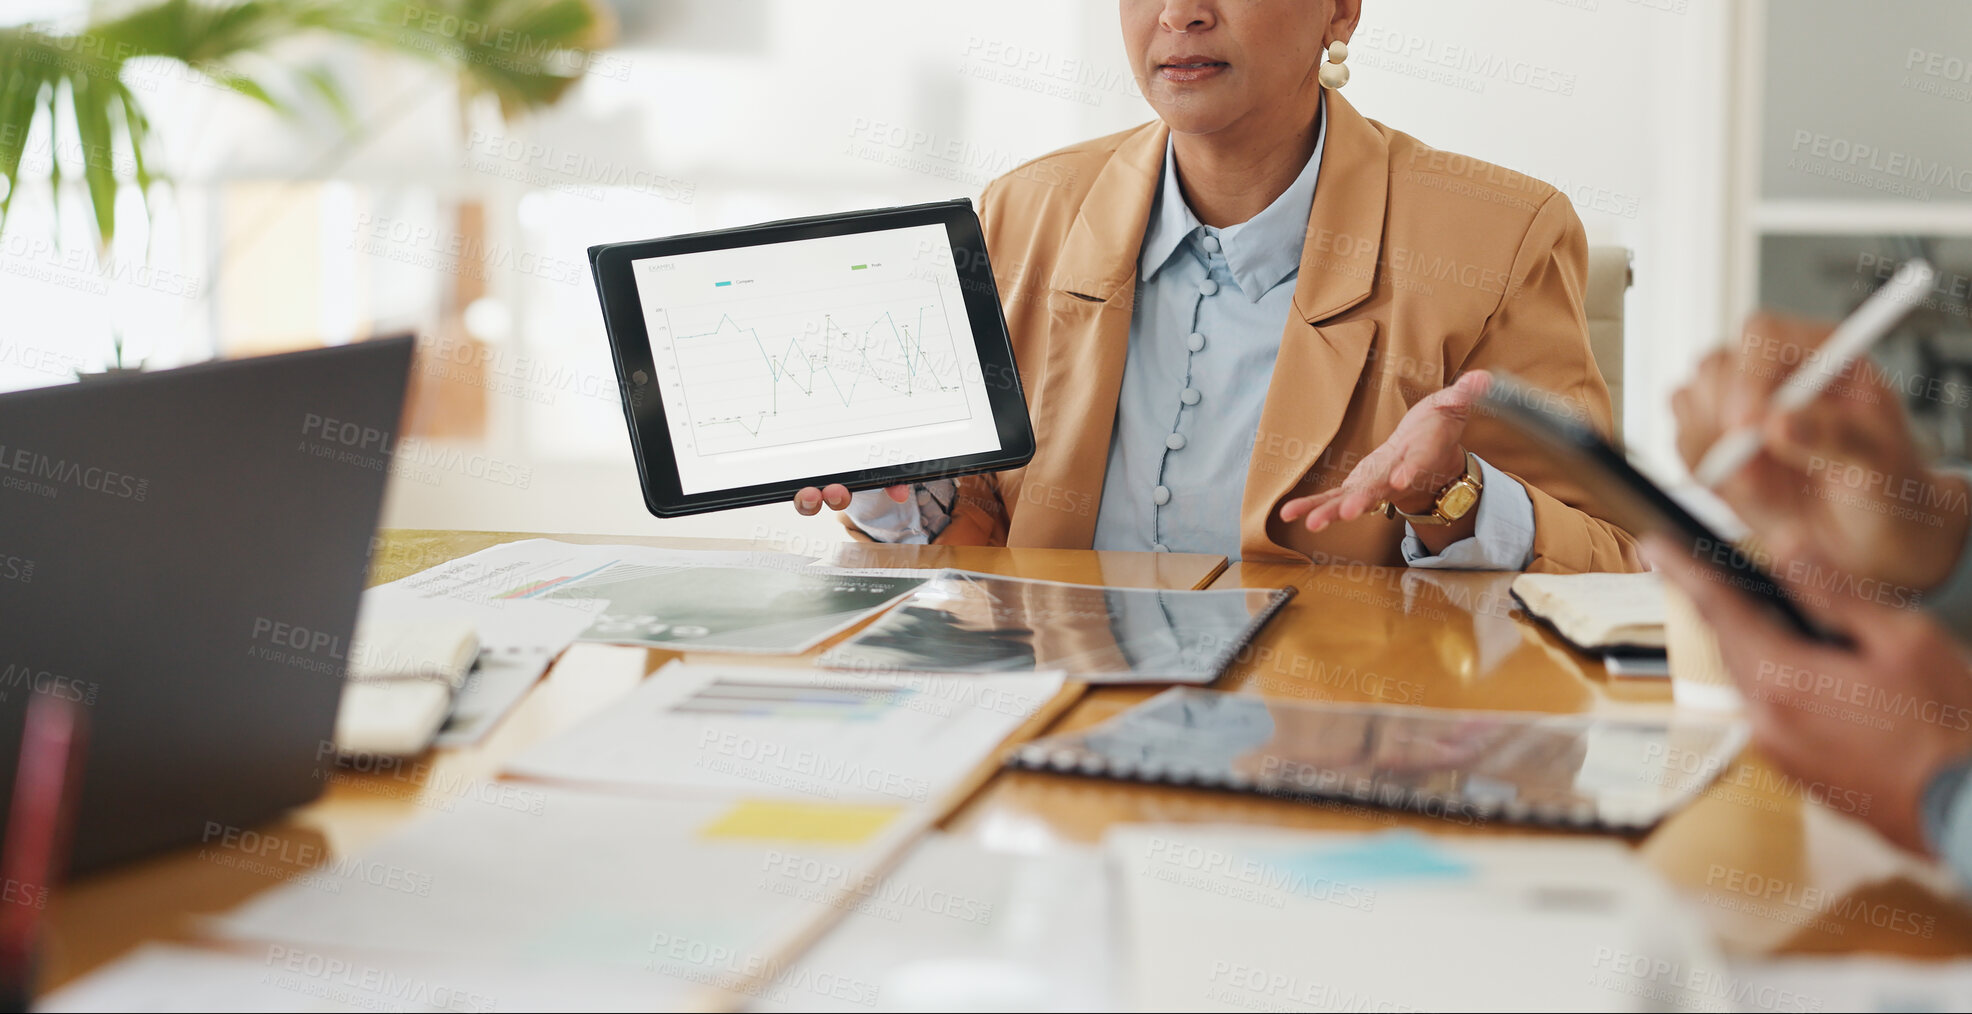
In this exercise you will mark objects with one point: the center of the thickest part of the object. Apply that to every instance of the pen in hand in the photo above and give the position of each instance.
(1852, 338)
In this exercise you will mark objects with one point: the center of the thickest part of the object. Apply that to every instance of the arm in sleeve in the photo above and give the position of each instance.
(943, 511)
(1947, 815)
(1539, 334)
(872, 515)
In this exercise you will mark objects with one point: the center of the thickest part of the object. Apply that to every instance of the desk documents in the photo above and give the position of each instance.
(966, 622)
(794, 733)
(531, 599)
(1581, 770)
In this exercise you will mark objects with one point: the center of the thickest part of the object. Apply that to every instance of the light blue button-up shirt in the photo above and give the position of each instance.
(1211, 306)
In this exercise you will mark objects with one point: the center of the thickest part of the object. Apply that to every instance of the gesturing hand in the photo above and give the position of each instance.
(1422, 456)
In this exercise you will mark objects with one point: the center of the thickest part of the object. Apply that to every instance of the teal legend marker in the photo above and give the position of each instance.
(719, 284)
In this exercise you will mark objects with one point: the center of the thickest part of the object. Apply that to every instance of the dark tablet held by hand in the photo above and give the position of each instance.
(1628, 498)
(865, 348)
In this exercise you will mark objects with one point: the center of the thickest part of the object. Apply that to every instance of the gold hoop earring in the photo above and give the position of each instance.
(1334, 74)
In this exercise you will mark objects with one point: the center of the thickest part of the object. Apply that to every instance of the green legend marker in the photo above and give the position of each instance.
(857, 267)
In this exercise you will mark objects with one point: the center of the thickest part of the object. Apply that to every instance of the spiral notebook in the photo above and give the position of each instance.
(1621, 773)
(960, 621)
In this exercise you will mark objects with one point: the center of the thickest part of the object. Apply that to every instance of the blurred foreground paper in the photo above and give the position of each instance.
(1216, 917)
(959, 926)
(1864, 983)
(274, 977)
(615, 884)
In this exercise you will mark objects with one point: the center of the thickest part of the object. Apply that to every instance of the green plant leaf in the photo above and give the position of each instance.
(20, 96)
(54, 160)
(525, 53)
(323, 84)
(138, 127)
(245, 86)
(92, 98)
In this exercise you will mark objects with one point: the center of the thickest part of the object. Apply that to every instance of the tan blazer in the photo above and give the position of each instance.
(1418, 265)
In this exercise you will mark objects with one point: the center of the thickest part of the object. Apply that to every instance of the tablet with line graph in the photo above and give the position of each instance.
(866, 348)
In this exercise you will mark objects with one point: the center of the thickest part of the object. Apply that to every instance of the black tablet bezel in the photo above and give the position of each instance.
(643, 409)
(1632, 501)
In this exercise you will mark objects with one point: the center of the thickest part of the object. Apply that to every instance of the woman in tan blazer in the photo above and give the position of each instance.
(1418, 268)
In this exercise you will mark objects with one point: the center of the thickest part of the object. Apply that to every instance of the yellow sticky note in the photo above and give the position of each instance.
(791, 821)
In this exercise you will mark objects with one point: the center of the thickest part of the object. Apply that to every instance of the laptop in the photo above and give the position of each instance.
(182, 553)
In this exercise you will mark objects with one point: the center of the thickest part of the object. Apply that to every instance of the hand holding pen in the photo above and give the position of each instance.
(1837, 474)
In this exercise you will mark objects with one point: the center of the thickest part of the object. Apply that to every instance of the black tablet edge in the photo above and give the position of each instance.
(1514, 402)
(604, 255)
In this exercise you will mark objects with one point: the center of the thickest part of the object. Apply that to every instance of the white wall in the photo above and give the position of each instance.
(767, 108)
(1619, 102)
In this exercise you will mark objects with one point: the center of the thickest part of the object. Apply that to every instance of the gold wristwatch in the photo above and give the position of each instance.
(1454, 501)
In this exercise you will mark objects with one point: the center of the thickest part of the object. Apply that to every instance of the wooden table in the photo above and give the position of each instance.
(104, 915)
(1769, 870)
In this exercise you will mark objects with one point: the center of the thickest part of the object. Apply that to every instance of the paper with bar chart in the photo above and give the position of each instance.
(810, 734)
(814, 357)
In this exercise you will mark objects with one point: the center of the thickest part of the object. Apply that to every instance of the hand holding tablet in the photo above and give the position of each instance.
(835, 496)
(864, 350)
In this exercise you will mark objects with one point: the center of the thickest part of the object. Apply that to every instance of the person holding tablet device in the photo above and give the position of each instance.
(1841, 480)
(1853, 511)
(1264, 315)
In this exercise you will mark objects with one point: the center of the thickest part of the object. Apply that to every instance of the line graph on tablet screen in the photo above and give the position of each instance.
(812, 357)
(770, 369)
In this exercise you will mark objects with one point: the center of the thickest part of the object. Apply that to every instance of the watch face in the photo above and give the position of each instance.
(1458, 500)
